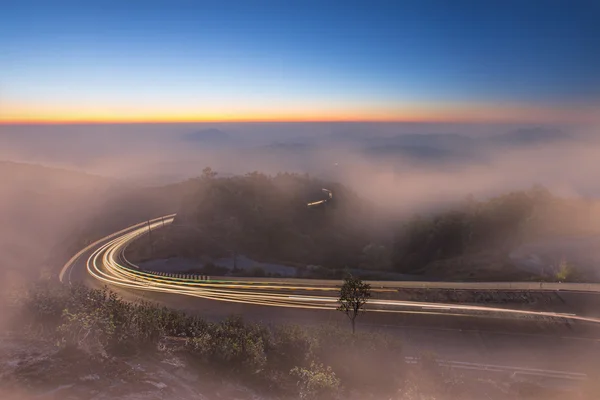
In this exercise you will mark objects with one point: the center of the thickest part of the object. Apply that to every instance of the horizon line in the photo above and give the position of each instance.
(272, 121)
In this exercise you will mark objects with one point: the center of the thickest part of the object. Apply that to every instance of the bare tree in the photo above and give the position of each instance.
(353, 297)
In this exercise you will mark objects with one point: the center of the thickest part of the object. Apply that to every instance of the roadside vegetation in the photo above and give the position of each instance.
(465, 239)
(287, 361)
(354, 295)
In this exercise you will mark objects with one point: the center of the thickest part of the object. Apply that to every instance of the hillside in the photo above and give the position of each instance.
(48, 214)
(51, 213)
(267, 218)
(40, 205)
(476, 239)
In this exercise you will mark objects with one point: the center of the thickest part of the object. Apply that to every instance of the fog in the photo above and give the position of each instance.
(400, 168)
(397, 165)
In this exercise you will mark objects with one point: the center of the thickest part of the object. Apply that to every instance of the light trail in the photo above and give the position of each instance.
(108, 265)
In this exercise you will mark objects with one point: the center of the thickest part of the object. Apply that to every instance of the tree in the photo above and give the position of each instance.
(353, 297)
(317, 382)
(208, 173)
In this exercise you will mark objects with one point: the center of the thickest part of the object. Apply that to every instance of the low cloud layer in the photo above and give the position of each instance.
(397, 165)
(402, 168)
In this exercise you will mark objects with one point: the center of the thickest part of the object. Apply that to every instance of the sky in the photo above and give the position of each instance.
(289, 60)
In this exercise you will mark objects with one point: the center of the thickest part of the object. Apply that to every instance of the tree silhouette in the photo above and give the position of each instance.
(208, 173)
(354, 294)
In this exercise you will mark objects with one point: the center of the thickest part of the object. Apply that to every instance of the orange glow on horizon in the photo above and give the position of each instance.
(432, 114)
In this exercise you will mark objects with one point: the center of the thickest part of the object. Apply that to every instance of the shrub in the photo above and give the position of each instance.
(98, 320)
(316, 382)
(291, 346)
(566, 272)
(285, 358)
(232, 345)
(40, 307)
(91, 331)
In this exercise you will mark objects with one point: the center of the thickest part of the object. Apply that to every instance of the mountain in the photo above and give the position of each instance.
(447, 141)
(530, 136)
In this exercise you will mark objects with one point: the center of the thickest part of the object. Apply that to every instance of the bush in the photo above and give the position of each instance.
(316, 382)
(40, 307)
(284, 358)
(566, 272)
(98, 320)
(231, 345)
(90, 331)
(291, 346)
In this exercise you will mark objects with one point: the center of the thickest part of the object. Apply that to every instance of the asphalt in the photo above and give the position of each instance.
(546, 343)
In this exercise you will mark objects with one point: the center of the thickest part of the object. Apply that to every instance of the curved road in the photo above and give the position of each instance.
(105, 261)
(494, 345)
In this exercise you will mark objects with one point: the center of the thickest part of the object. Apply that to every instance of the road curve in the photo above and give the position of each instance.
(107, 263)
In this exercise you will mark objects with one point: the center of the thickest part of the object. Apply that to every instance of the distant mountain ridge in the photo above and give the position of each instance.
(427, 148)
(529, 136)
(208, 136)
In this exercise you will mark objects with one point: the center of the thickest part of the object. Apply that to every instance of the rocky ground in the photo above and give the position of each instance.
(35, 369)
(32, 369)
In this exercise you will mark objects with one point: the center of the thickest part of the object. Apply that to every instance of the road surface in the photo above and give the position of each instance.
(108, 264)
(535, 340)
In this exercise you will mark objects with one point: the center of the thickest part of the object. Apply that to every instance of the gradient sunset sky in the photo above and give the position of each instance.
(150, 61)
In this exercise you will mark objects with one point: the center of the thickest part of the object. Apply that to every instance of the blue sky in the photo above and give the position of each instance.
(284, 58)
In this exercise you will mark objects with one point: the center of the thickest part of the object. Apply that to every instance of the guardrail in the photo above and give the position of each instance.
(550, 286)
(553, 286)
(540, 286)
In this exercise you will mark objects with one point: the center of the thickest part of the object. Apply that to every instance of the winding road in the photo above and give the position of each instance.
(106, 262)
(464, 345)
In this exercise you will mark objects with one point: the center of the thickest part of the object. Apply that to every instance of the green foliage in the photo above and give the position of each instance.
(354, 294)
(566, 272)
(291, 345)
(232, 345)
(98, 320)
(316, 382)
(102, 324)
(92, 330)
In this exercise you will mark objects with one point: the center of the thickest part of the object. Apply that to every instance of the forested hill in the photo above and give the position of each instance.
(490, 229)
(267, 217)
